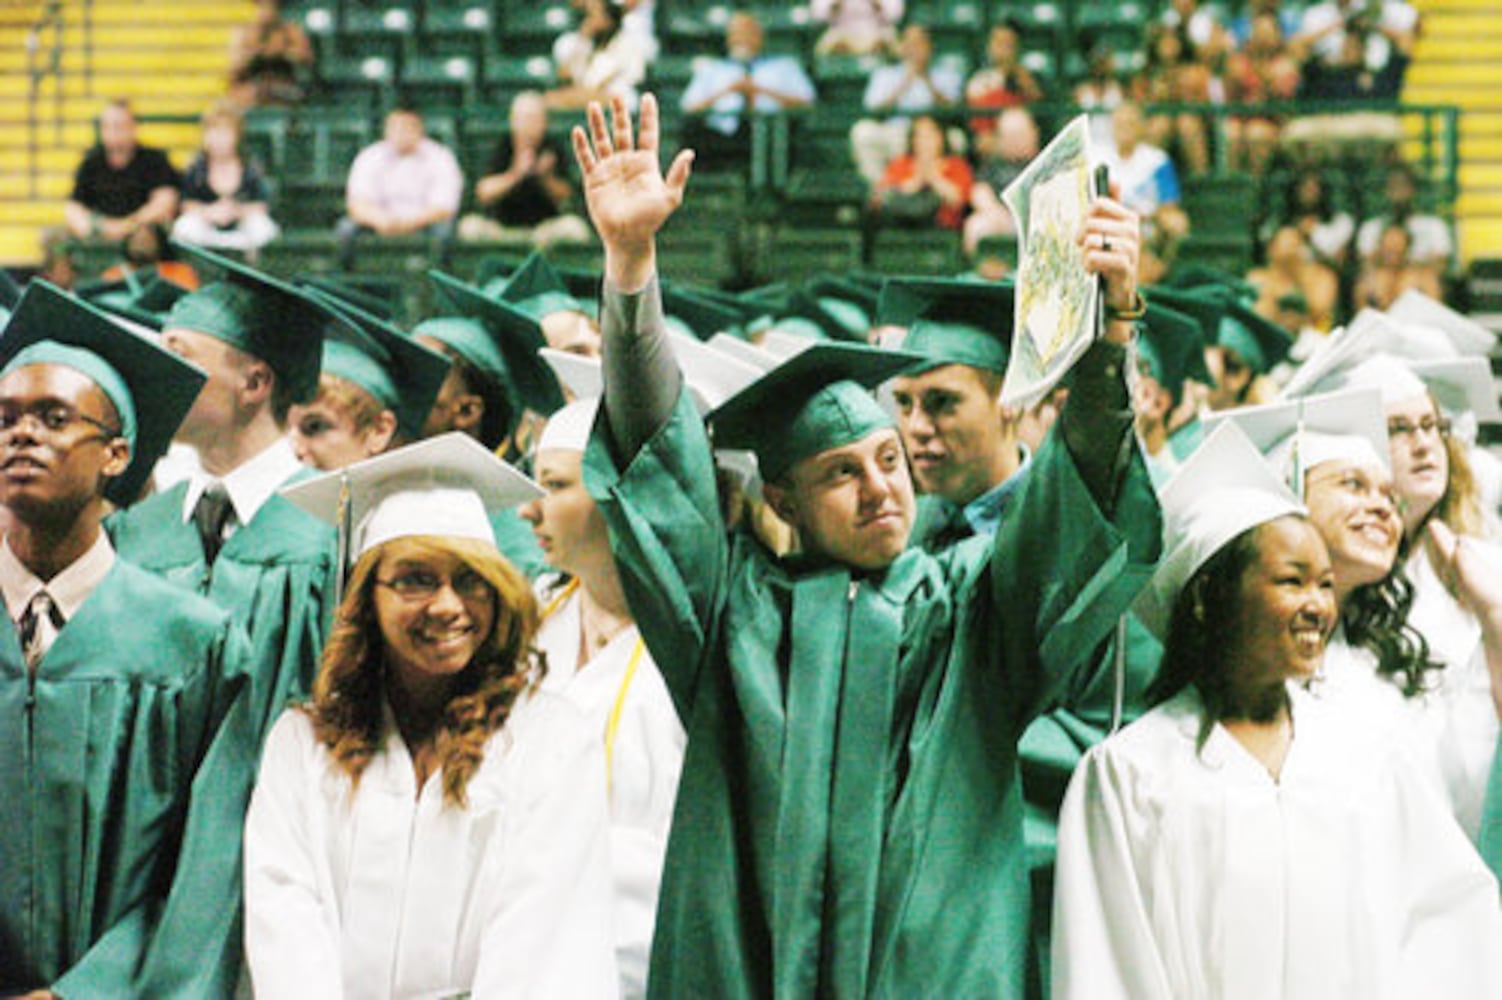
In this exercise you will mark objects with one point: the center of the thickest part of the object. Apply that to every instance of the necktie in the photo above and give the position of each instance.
(40, 624)
(211, 515)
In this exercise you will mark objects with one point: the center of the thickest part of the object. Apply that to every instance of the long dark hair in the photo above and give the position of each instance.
(1375, 617)
(1194, 652)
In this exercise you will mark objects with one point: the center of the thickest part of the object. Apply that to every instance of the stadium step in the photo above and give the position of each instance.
(170, 57)
(1458, 61)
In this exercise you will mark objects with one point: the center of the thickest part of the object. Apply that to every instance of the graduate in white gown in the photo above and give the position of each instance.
(431, 824)
(1244, 839)
(596, 659)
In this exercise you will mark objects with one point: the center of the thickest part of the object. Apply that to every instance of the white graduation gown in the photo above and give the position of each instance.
(387, 893)
(645, 759)
(1185, 873)
(1456, 718)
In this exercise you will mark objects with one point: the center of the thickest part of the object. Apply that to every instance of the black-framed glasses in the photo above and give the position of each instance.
(420, 585)
(1401, 427)
(53, 418)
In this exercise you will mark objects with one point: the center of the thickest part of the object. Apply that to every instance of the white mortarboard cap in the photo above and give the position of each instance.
(568, 429)
(1462, 385)
(783, 344)
(1393, 378)
(580, 375)
(1403, 338)
(712, 376)
(1299, 434)
(1469, 337)
(448, 486)
(744, 350)
(1222, 490)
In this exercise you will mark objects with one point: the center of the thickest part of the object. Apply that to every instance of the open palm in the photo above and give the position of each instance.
(629, 198)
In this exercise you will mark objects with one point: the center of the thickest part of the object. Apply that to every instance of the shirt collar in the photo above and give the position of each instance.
(250, 484)
(984, 512)
(68, 589)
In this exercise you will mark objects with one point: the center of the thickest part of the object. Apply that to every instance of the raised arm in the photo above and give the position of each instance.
(629, 200)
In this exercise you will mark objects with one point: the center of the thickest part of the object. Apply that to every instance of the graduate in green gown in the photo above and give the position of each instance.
(224, 533)
(849, 820)
(127, 765)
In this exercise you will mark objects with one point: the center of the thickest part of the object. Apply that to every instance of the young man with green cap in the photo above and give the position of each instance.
(224, 532)
(961, 441)
(849, 819)
(127, 741)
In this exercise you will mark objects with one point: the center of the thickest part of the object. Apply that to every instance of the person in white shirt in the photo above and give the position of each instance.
(405, 184)
(856, 27)
(430, 824)
(598, 661)
(911, 84)
(1149, 187)
(1244, 839)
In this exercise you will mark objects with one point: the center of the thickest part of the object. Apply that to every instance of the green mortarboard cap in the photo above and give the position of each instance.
(515, 338)
(1259, 342)
(50, 326)
(814, 401)
(401, 375)
(1206, 306)
(853, 320)
(1197, 277)
(959, 322)
(538, 290)
(345, 291)
(798, 304)
(258, 314)
(147, 303)
(700, 315)
(1173, 347)
(475, 344)
(849, 288)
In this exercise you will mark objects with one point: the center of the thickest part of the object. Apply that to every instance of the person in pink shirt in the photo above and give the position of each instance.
(406, 184)
(856, 27)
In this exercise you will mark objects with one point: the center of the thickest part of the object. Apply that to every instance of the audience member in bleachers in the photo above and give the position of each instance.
(1007, 152)
(1198, 29)
(1356, 43)
(1393, 270)
(723, 90)
(404, 184)
(856, 27)
(1100, 90)
(1003, 82)
(1289, 17)
(1311, 210)
(640, 23)
(269, 58)
(1289, 266)
(224, 198)
(1261, 70)
(120, 184)
(912, 84)
(1429, 236)
(925, 186)
(1149, 187)
(147, 250)
(598, 60)
(527, 185)
(1174, 73)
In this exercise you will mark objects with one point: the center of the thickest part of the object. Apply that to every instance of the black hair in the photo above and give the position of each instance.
(1375, 617)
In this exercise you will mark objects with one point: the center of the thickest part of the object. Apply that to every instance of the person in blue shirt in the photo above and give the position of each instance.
(721, 90)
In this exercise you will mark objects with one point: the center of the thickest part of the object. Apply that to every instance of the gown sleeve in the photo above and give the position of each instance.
(1103, 945)
(549, 930)
(291, 941)
(187, 945)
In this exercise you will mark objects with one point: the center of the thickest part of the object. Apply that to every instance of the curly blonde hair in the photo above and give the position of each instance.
(348, 696)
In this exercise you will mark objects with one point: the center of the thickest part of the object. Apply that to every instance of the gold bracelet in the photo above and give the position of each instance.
(1131, 314)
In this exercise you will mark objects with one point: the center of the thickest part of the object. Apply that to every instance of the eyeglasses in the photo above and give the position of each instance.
(418, 585)
(52, 418)
(1400, 427)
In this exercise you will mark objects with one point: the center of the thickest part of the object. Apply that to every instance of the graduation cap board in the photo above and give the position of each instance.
(745, 351)
(509, 354)
(1221, 491)
(696, 314)
(151, 388)
(580, 375)
(1461, 386)
(400, 374)
(1258, 341)
(1299, 434)
(1468, 336)
(537, 290)
(10, 291)
(260, 315)
(711, 377)
(352, 294)
(958, 323)
(814, 401)
(1207, 305)
(447, 486)
(1340, 358)
(570, 427)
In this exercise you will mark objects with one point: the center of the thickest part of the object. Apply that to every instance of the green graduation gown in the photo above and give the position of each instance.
(275, 575)
(125, 787)
(1490, 841)
(849, 821)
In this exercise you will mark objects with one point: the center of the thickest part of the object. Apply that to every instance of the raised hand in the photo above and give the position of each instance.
(628, 196)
